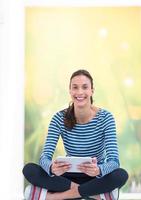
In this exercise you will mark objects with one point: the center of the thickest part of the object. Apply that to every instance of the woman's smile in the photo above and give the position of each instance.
(80, 98)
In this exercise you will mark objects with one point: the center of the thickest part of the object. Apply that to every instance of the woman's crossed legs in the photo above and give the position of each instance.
(73, 185)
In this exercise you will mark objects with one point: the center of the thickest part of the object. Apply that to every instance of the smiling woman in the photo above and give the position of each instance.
(58, 39)
(86, 131)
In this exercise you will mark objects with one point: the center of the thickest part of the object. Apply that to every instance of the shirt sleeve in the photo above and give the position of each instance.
(52, 138)
(111, 149)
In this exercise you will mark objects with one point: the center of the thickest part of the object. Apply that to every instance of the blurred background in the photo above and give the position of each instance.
(106, 42)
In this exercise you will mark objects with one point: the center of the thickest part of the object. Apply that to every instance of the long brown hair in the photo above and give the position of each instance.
(69, 115)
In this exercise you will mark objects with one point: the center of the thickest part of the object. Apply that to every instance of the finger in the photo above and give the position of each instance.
(57, 169)
(66, 167)
(61, 170)
(88, 172)
(90, 169)
(82, 169)
(88, 165)
(94, 160)
(61, 164)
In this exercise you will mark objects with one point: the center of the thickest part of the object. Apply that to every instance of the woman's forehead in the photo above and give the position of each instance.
(80, 79)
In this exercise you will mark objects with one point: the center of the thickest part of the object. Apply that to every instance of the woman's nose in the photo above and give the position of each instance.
(80, 91)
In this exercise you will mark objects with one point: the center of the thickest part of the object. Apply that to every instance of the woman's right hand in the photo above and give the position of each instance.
(59, 167)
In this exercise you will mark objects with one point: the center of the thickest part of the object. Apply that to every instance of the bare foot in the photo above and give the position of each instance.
(74, 184)
(63, 195)
(96, 197)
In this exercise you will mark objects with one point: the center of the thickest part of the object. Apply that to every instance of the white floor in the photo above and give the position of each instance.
(126, 196)
(130, 196)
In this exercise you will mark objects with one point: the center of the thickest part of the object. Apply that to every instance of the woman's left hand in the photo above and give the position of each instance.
(91, 169)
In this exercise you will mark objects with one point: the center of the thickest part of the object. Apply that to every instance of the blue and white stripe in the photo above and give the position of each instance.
(96, 138)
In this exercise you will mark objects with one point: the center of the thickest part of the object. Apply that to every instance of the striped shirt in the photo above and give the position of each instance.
(97, 138)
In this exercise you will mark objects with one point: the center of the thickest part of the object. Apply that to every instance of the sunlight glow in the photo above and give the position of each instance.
(125, 45)
(103, 32)
(128, 82)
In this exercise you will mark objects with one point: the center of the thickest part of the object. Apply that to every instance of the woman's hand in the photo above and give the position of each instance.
(58, 167)
(91, 169)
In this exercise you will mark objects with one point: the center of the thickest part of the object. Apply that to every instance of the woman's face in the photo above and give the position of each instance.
(80, 90)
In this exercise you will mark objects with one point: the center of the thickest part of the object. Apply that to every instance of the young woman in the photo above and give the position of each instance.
(86, 130)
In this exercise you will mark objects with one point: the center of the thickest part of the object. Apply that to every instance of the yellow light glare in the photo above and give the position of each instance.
(124, 45)
(103, 32)
(128, 82)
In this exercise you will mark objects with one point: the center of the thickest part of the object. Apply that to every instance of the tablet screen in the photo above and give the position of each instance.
(74, 161)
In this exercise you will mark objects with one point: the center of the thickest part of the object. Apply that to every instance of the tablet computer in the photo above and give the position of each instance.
(74, 161)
